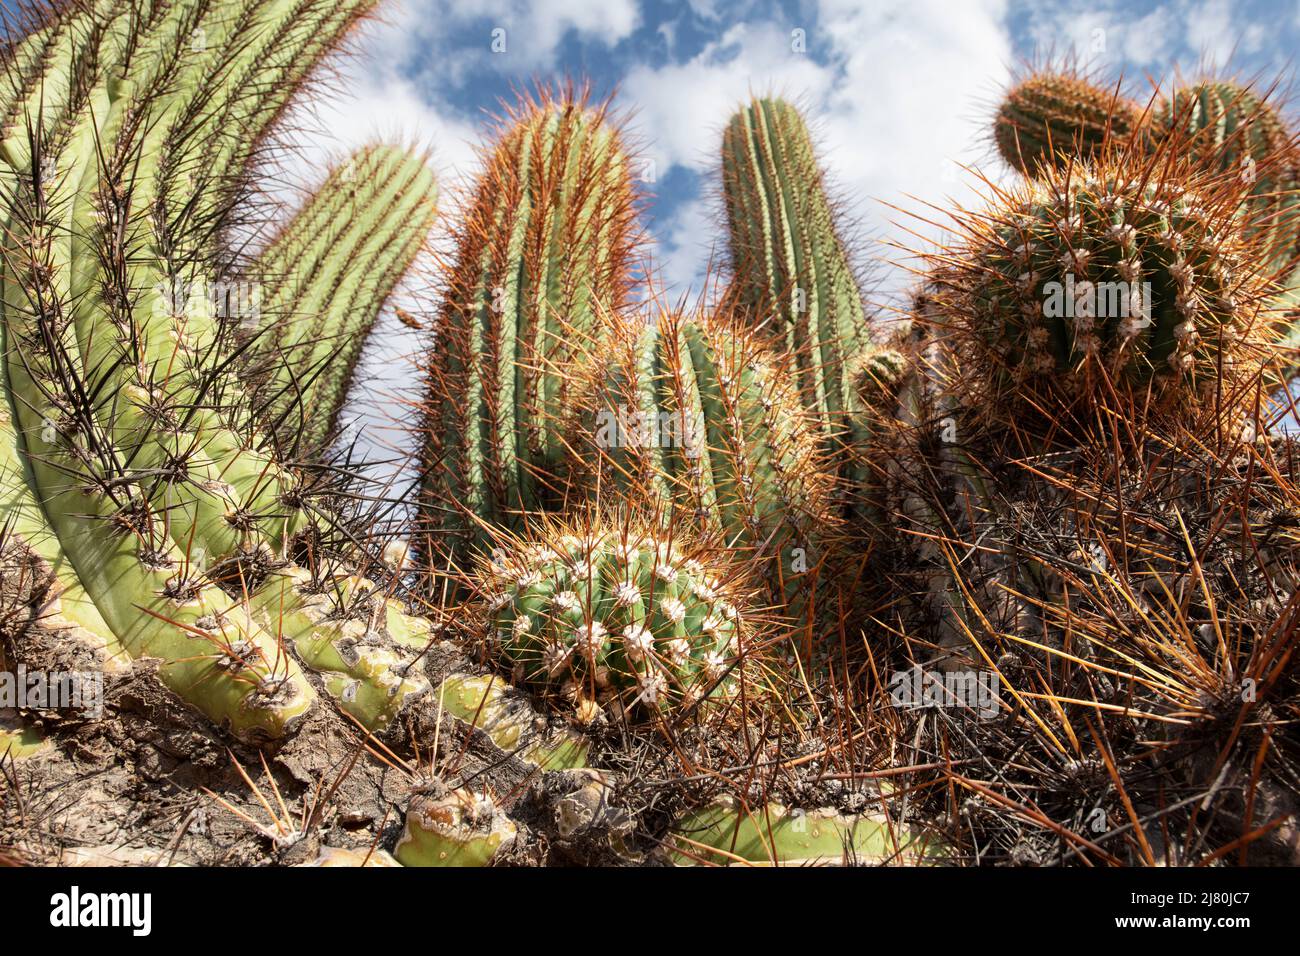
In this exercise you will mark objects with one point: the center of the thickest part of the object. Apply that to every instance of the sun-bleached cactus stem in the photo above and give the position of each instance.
(1130, 276)
(691, 411)
(1229, 128)
(621, 614)
(486, 703)
(548, 238)
(724, 833)
(461, 828)
(791, 271)
(1052, 118)
(324, 279)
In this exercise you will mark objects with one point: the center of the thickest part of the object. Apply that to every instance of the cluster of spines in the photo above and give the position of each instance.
(323, 280)
(547, 241)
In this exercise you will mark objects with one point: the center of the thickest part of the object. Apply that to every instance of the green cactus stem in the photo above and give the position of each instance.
(1130, 275)
(1050, 119)
(1229, 128)
(723, 834)
(324, 279)
(792, 274)
(547, 243)
(617, 614)
(691, 411)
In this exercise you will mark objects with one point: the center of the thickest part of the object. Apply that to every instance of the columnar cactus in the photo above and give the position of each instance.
(128, 136)
(691, 411)
(547, 240)
(1131, 273)
(792, 274)
(324, 278)
(1051, 117)
(621, 613)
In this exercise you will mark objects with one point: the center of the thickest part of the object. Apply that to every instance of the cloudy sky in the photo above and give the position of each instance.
(899, 90)
(899, 93)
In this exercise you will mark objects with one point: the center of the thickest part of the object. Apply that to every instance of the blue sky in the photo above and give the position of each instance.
(899, 91)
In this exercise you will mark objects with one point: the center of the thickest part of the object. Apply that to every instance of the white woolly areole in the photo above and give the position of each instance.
(673, 609)
(626, 594)
(637, 642)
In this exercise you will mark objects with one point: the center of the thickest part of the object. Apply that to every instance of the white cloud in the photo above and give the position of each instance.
(896, 96)
(682, 107)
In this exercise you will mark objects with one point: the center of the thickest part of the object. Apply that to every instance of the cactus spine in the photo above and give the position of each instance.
(547, 242)
(324, 278)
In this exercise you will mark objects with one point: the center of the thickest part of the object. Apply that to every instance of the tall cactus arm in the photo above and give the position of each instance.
(148, 375)
(791, 266)
(549, 237)
(325, 278)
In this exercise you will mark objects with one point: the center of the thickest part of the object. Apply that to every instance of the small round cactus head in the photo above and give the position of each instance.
(1053, 116)
(1130, 277)
(617, 612)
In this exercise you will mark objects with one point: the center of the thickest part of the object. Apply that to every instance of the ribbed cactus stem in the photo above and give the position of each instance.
(1229, 128)
(156, 606)
(324, 279)
(1049, 118)
(724, 834)
(146, 365)
(618, 614)
(547, 243)
(791, 266)
(691, 412)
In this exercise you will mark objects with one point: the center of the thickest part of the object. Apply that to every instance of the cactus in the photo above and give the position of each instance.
(619, 613)
(458, 829)
(1051, 117)
(693, 412)
(1131, 273)
(1228, 128)
(547, 241)
(324, 278)
(791, 267)
(120, 473)
(722, 833)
